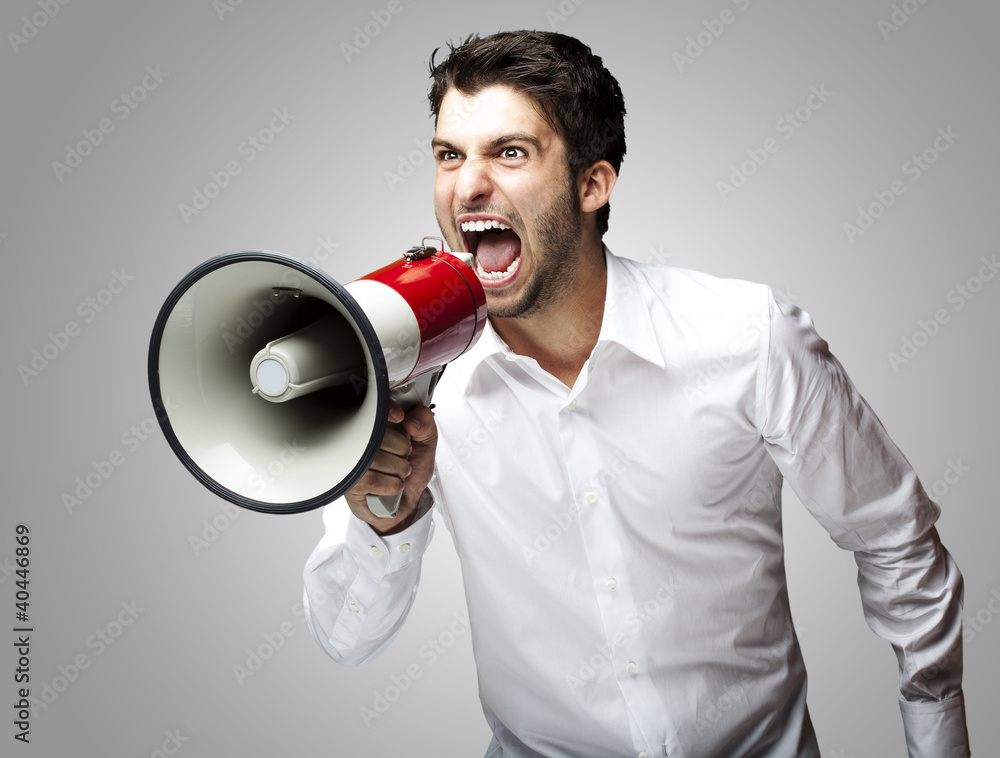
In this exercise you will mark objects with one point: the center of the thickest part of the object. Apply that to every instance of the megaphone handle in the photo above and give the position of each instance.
(417, 391)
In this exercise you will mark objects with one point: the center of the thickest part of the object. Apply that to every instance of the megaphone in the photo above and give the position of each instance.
(272, 381)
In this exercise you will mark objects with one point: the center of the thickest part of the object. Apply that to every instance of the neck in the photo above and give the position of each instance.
(563, 334)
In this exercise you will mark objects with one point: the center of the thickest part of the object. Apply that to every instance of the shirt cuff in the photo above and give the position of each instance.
(382, 555)
(378, 598)
(936, 728)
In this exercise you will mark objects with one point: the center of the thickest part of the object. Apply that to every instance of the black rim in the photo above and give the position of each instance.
(381, 382)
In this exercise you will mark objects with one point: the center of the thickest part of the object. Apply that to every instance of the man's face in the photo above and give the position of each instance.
(502, 192)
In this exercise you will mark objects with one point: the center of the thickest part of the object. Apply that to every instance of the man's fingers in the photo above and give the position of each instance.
(379, 483)
(391, 464)
(408, 447)
(396, 413)
(396, 442)
(419, 424)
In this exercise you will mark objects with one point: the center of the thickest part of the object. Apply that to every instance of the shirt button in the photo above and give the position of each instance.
(355, 607)
(404, 548)
(376, 552)
(571, 406)
(591, 497)
(510, 356)
(611, 583)
(643, 754)
(630, 667)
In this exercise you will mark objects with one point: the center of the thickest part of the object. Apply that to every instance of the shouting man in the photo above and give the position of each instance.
(609, 459)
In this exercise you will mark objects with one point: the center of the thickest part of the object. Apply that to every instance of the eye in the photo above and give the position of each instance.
(512, 152)
(447, 155)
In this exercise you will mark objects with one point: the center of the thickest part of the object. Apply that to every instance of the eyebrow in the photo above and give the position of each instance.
(494, 144)
(520, 137)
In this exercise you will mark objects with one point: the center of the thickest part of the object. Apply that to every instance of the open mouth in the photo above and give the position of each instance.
(495, 246)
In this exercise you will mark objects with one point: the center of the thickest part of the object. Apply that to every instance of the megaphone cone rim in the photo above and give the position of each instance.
(364, 325)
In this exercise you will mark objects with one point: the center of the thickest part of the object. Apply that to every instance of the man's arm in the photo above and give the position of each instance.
(845, 469)
(361, 579)
(359, 585)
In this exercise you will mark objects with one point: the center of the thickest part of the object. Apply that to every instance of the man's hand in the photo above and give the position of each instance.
(404, 462)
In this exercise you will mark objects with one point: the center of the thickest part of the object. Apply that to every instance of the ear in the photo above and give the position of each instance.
(595, 184)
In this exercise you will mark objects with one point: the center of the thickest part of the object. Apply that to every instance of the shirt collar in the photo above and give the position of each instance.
(626, 321)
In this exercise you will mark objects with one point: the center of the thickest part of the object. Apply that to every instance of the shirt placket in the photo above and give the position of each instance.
(591, 471)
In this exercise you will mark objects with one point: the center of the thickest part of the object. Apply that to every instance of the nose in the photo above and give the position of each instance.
(473, 185)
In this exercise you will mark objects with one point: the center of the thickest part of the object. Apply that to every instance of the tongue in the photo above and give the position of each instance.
(495, 251)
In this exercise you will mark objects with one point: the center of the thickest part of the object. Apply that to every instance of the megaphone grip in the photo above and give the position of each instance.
(417, 391)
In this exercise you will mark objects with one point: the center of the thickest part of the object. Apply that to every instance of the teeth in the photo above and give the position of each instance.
(484, 274)
(482, 225)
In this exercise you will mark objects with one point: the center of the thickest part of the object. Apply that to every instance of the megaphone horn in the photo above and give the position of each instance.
(272, 381)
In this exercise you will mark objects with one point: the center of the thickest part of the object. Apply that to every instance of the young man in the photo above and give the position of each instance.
(611, 483)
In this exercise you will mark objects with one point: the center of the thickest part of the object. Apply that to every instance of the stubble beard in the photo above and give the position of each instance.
(554, 262)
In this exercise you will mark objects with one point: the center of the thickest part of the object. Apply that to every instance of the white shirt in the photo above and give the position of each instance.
(621, 540)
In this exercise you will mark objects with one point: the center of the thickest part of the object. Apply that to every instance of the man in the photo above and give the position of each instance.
(609, 459)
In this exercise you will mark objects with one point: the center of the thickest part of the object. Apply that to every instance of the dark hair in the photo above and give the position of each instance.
(577, 94)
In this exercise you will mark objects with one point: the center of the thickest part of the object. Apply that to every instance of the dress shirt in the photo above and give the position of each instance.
(621, 540)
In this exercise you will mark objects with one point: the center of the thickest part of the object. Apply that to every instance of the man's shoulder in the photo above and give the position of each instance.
(683, 289)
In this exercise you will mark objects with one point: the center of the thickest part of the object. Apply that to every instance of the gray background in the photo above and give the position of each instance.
(323, 188)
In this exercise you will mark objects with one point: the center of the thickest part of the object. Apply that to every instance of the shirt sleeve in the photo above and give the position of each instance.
(839, 460)
(359, 585)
